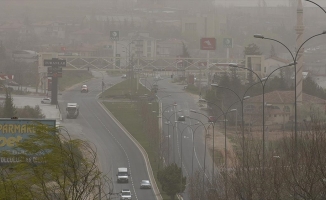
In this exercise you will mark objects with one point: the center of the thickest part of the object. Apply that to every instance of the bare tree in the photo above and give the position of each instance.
(51, 165)
(293, 167)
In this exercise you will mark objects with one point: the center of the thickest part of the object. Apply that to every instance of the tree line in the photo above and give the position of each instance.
(9, 110)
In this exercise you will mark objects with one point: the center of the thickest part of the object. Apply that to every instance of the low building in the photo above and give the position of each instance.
(279, 107)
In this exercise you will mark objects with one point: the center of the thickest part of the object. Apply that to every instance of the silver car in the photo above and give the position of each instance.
(145, 184)
(125, 194)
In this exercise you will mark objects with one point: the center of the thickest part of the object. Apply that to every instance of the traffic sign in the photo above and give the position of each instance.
(227, 42)
(207, 44)
(114, 35)
(54, 72)
(54, 62)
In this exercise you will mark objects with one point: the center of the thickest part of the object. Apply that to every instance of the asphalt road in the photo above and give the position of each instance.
(183, 133)
(115, 149)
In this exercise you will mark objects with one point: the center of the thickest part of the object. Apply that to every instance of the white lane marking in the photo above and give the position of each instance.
(128, 160)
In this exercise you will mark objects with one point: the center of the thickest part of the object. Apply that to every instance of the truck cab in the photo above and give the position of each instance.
(122, 175)
(72, 110)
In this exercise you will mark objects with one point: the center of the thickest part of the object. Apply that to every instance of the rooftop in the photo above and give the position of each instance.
(284, 97)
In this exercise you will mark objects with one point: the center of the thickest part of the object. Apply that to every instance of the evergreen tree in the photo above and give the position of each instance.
(30, 112)
(310, 87)
(227, 95)
(2, 52)
(235, 82)
(252, 49)
(9, 109)
(273, 52)
(170, 178)
(283, 85)
(185, 54)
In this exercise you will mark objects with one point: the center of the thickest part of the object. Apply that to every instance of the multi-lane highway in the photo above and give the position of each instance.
(115, 149)
(183, 131)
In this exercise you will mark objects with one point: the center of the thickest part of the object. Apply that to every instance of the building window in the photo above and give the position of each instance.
(275, 115)
(190, 26)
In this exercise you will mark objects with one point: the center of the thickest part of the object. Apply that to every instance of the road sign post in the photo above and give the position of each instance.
(54, 70)
(114, 35)
(227, 43)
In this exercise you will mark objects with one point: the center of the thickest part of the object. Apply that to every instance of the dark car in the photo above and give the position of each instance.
(181, 118)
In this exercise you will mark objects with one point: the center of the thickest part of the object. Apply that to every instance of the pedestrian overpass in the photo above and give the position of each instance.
(150, 64)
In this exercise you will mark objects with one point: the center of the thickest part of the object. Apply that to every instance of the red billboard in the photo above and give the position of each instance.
(207, 44)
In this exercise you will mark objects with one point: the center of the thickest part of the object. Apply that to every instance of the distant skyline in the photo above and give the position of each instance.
(269, 3)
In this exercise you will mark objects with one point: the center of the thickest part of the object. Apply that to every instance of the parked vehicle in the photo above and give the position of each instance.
(46, 101)
(72, 110)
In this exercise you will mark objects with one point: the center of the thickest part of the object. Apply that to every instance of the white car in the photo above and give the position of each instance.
(145, 184)
(84, 89)
(46, 101)
(125, 194)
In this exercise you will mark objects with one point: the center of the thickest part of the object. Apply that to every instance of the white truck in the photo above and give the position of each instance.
(72, 110)
(122, 175)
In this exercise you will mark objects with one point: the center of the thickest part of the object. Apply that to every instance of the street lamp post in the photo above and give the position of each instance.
(241, 99)
(263, 82)
(193, 149)
(188, 126)
(225, 139)
(294, 57)
(160, 126)
(168, 123)
(316, 5)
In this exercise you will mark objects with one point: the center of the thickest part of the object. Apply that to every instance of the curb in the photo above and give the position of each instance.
(142, 150)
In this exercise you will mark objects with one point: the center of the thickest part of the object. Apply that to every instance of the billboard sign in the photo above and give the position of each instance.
(207, 44)
(54, 62)
(13, 131)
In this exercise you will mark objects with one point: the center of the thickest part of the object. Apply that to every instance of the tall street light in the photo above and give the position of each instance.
(160, 126)
(193, 149)
(188, 126)
(223, 114)
(263, 82)
(294, 57)
(173, 126)
(211, 122)
(225, 138)
(316, 5)
(241, 99)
